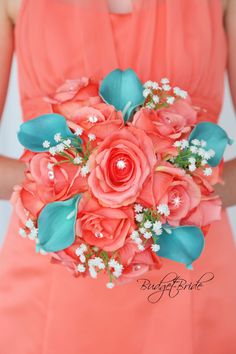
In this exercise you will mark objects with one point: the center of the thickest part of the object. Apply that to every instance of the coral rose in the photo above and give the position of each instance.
(63, 259)
(26, 201)
(100, 120)
(67, 180)
(137, 262)
(74, 94)
(174, 187)
(69, 258)
(206, 183)
(104, 227)
(120, 166)
(166, 125)
(208, 211)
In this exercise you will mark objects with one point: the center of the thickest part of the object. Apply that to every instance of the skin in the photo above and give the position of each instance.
(12, 171)
(120, 6)
(228, 191)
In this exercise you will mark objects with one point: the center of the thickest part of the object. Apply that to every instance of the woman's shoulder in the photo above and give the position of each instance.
(224, 4)
(13, 8)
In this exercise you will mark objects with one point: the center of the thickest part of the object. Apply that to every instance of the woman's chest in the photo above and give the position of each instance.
(115, 6)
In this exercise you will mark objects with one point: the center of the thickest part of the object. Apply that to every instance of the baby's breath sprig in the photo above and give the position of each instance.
(193, 155)
(87, 150)
(161, 95)
(72, 152)
(149, 225)
(95, 260)
(30, 231)
(63, 146)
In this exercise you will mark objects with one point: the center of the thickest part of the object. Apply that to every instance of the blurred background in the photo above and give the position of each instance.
(9, 145)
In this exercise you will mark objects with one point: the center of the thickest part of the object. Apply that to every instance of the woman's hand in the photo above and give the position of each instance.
(228, 191)
(11, 173)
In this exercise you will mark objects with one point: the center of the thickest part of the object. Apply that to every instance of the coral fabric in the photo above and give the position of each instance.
(43, 308)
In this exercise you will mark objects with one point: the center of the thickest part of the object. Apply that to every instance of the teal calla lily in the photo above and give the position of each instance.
(123, 90)
(56, 225)
(215, 137)
(34, 132)
(182, 244)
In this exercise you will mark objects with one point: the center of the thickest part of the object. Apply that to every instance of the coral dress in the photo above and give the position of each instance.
(43, 308)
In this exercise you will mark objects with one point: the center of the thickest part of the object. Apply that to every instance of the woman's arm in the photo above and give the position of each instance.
(228, 191)
(11, 171)
(230, 28)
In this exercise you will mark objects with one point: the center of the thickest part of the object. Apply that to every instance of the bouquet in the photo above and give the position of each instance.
(119, 177)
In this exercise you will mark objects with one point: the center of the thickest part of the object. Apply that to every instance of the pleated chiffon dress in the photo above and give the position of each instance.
(45, 310)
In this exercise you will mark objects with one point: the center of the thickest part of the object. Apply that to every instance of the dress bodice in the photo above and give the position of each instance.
(183, 40)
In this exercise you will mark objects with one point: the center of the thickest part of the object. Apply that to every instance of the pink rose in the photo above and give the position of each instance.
(74, 94)
(166, 125)
(120, 166)
(66, 182)
(100, 120)
(173, 187)
(104, 227)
